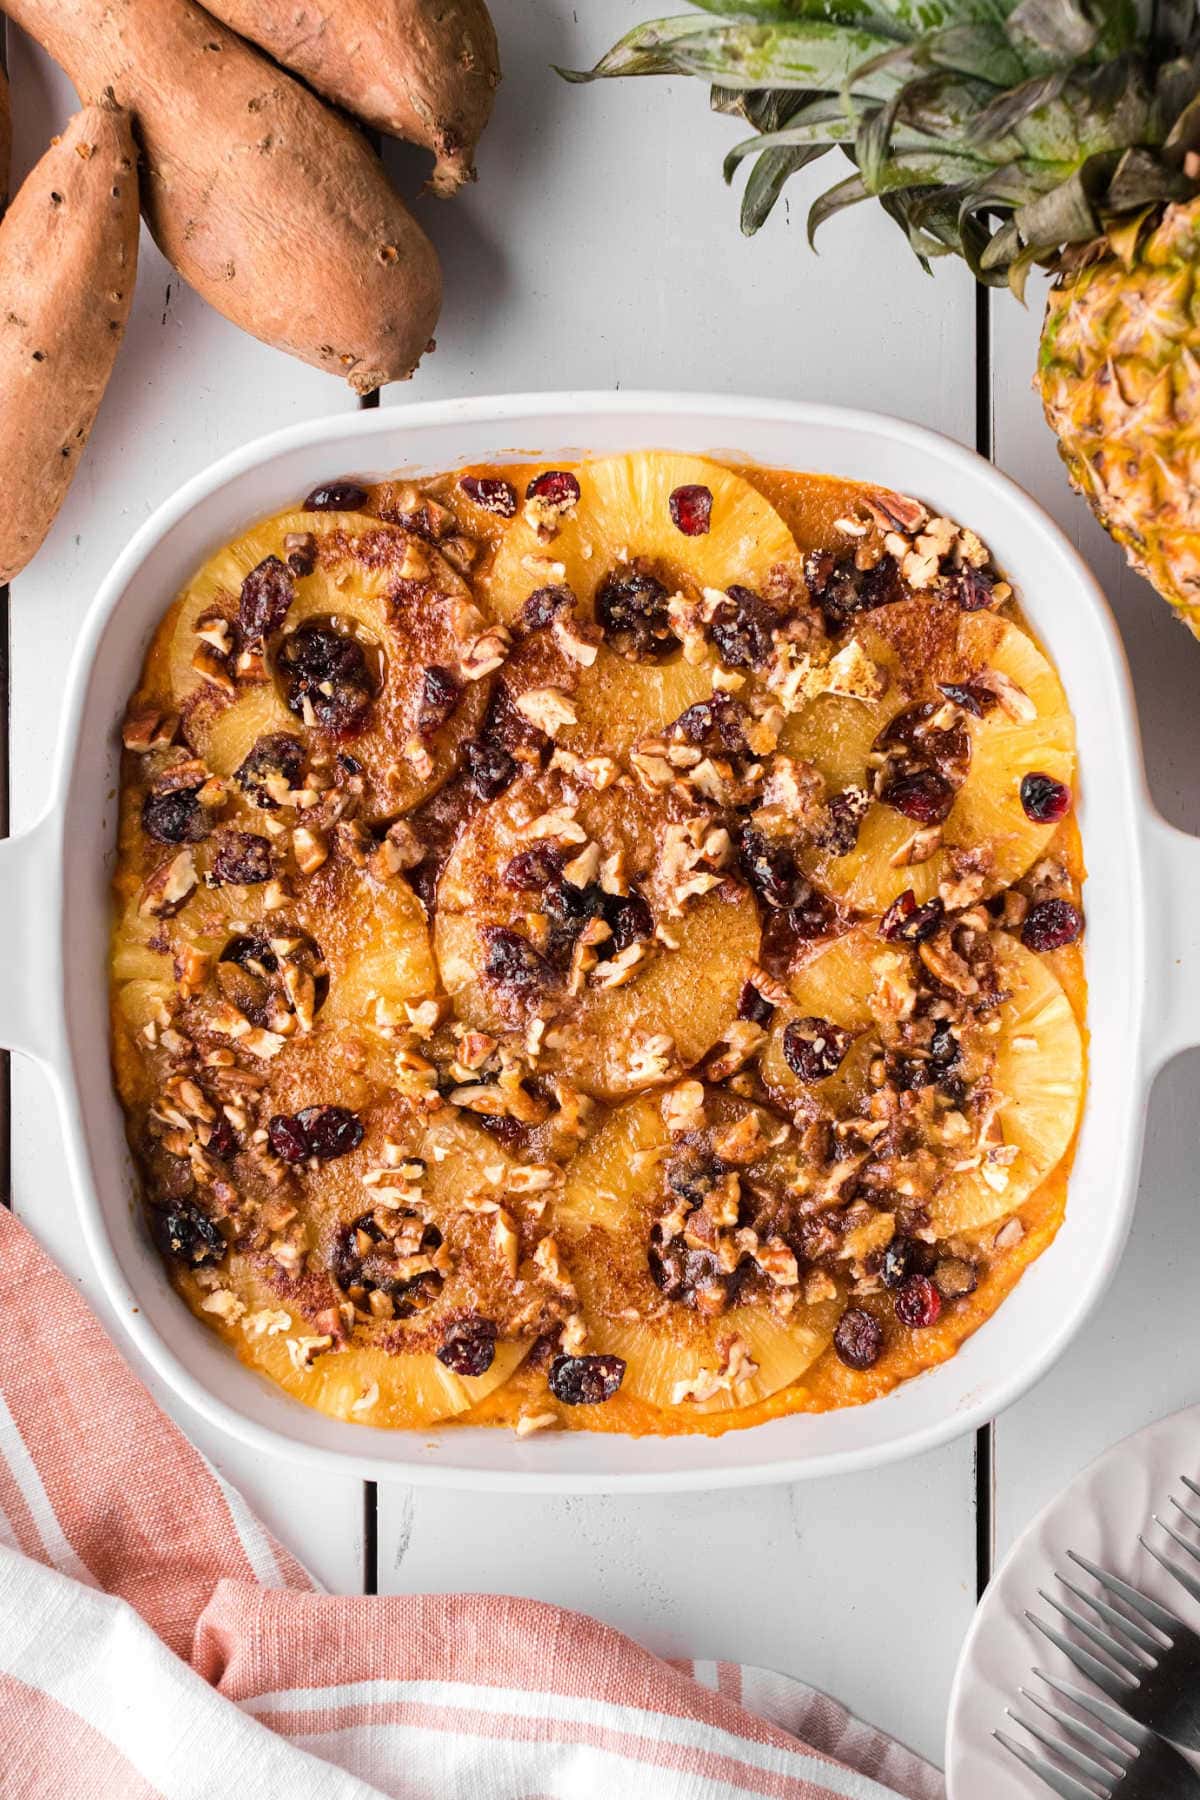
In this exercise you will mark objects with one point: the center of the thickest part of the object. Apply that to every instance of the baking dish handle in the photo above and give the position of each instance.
(1172, 1011)
(30, 953)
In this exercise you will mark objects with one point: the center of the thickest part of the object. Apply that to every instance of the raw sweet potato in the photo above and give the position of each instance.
(68, 257)
(5, 138)
(273, 207)
(424, 70)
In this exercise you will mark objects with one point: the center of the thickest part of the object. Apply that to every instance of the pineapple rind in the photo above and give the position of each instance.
(1119, 377)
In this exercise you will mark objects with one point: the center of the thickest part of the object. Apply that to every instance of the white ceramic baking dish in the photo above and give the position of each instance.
(1143, 940)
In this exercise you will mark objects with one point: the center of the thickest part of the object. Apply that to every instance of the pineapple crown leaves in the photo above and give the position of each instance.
(1008, 132)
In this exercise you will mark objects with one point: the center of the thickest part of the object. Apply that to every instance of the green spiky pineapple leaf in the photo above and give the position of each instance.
(1003, 131)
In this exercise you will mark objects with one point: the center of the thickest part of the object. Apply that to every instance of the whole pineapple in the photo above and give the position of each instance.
(1045, 133)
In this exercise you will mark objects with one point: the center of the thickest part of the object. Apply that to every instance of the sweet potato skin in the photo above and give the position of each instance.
(423, 70)
(68, 258)
(5, 138)
(271, 206)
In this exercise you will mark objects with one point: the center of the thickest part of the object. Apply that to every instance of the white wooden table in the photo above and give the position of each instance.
(600, 249)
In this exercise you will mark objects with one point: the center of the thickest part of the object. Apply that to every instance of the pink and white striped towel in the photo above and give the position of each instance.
(157, 1644)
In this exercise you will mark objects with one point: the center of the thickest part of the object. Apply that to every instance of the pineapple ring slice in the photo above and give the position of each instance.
(618, 703)
(373, 939)
(1038, 1072)
(366, 1386)
(372, 935)
(406, 623)
(377, 1380)
(613, 1195)
(687, 995)
(837, 734)
(1030, 1048)
(624, 513)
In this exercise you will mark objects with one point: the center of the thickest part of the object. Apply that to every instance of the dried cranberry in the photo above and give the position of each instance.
(267, 595)
(914, 740)
(770, 868)
(858, 1339)
(439, 696)
(187, 1234)
(176, 817)
(846, 814)
(718, 724)
(556, 487)
(275, 757)
(326, 672)
(544, 605)
(222, 1139)
(691, 509)
(585, 1380)
(1051, 925)
(751, 1005)
(629, 918)
(954, 1088)
(971, 589)
(918, 1303)
(907, 1073)
(681, 1272)
(336, 496)
(922, 795)
(970, 696)
(330, 1130)
(841, 589)
(490, 769)
(322, 1131)
(632, 608)
(513, 963)
(814, 1049)
(285, 1135)
(813, 915)
(493, 495)
(741, 628)
(534, 869)
(1043, 799)
(569, 909)
(302, 557)
(507, 1131)
(906, 922)
(469, 1346)
(243, 859)
(252, 953)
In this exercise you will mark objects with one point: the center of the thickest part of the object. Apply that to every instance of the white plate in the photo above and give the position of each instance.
(1101, 1515)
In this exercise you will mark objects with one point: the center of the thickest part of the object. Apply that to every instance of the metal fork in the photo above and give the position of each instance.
(1156, 1680)
(1137, 1766)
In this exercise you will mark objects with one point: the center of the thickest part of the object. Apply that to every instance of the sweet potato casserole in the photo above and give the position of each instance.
(598, 945)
